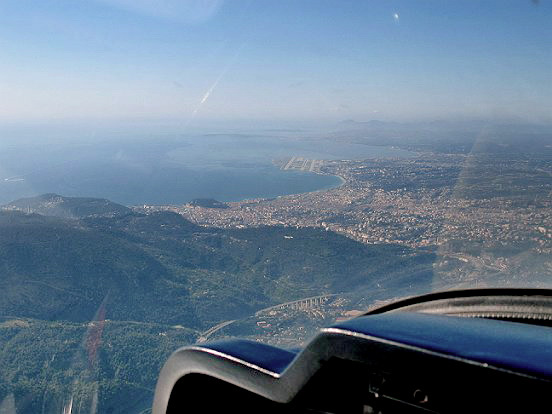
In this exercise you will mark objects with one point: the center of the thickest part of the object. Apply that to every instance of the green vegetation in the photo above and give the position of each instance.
(44, 364)
(146, 275)
(208, 203)
(69, 207)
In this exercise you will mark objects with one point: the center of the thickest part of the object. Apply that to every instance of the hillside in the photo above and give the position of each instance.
(161, 268)
(67, 207)
(116, 362)
(208, 203)
(157, 280)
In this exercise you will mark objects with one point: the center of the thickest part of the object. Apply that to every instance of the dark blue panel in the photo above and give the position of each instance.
(520, 347)
(264, 356)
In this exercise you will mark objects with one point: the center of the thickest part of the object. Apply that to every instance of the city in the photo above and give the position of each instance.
(421, 202)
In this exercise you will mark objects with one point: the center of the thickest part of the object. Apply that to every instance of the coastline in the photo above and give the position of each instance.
(342, 182)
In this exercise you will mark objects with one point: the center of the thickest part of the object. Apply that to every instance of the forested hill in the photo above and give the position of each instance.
(152, 283)
(68, 207)
(161, 268)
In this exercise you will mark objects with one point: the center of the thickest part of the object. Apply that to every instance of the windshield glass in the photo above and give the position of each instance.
(175, 172)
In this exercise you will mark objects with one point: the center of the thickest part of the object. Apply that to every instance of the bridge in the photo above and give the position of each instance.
(205, 335)
(305, 303)
(300, 304)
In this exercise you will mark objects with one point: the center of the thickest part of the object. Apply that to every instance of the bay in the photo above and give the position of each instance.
(172, 169)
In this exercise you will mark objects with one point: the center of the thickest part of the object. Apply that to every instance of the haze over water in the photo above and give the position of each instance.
(172, 170)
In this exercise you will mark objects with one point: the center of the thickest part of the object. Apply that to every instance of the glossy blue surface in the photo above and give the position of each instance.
(515, 346)
(265, 356)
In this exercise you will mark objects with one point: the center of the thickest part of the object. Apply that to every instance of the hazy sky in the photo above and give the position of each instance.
(239, 60)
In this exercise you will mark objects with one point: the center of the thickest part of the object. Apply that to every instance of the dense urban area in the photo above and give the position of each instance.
(421, 201)
(484, 214)
(429, 200)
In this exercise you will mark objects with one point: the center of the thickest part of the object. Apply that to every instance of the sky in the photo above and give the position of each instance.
(247, 60)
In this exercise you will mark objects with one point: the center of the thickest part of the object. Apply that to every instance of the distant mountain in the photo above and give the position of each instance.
(446, 136)
(68, 207)
(374, 123)
(439, 136)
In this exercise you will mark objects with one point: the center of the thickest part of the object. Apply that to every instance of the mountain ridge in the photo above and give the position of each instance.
(51, 204)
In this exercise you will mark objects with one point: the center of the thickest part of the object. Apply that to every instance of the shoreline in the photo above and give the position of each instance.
(252, 200)
(342, 182)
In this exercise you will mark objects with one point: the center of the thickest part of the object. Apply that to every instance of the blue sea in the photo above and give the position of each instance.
(170, 169)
